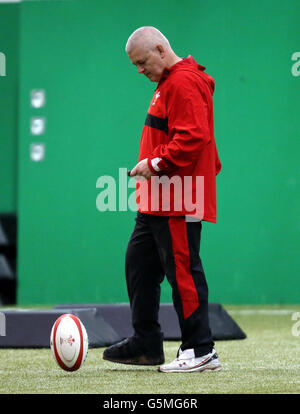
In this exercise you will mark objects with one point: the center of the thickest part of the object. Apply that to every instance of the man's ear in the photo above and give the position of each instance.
(161, 51)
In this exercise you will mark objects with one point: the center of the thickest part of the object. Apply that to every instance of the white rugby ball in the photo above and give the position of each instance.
(69, 342)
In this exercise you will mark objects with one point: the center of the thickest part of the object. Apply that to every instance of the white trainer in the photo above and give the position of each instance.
(187, 362)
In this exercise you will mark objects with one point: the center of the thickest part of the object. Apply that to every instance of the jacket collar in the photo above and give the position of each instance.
(185, 62)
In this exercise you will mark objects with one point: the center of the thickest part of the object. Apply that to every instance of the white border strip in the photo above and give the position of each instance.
(261, 311)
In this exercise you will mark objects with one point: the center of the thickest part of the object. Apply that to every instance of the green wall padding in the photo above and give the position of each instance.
(9, 47)
(96, 105)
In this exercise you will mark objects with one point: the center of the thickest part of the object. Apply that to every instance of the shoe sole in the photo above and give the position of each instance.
(138, 361)
(195, 369)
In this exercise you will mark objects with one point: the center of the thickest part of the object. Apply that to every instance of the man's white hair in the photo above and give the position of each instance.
(146, 37)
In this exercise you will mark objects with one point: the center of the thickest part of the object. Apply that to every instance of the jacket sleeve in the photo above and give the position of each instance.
(187, 111)
(218, 162)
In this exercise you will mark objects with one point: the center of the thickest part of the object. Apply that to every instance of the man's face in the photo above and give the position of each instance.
(151, 63)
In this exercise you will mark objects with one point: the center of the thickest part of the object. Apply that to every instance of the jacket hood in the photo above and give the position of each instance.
(189, 63)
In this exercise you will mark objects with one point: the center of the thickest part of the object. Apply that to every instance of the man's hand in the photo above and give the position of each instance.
(142, 169)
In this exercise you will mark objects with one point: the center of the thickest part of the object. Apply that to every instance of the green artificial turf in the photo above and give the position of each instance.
(267, 361)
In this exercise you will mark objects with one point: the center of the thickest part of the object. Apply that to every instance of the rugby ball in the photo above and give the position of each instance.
(69, 342)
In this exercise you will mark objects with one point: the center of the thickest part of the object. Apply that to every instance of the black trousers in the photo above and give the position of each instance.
(168, 246)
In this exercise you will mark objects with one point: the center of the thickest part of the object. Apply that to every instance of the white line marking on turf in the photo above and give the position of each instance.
(261, 311)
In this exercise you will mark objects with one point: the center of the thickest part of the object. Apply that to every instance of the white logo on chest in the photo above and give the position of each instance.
(157, 95)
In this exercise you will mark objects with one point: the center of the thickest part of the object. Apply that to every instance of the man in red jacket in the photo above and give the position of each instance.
(176, 190)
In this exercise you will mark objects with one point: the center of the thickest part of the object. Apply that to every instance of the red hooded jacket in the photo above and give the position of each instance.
(178, 141)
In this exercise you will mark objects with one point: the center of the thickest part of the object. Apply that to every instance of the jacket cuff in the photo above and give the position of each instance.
(152, 164)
